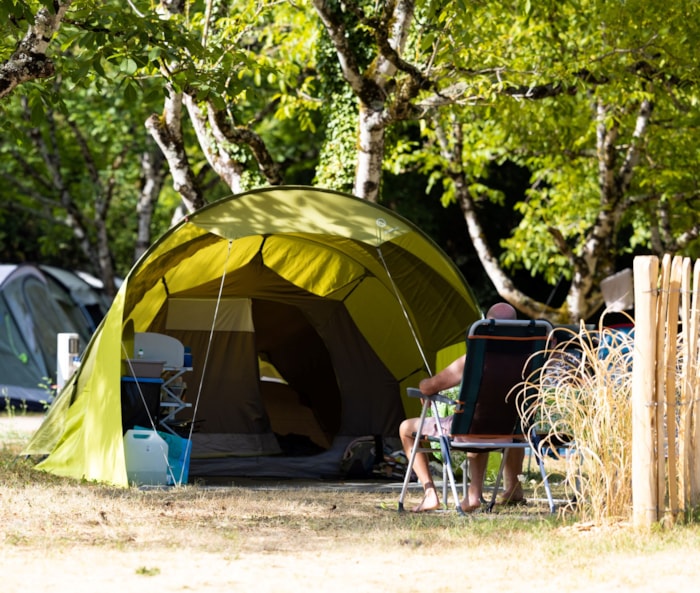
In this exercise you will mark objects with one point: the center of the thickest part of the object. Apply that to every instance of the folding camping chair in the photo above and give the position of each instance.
(503, 361)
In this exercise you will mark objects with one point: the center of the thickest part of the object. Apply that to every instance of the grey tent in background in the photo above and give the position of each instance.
(36, 304)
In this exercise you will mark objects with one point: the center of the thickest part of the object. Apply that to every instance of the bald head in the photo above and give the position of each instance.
(501, 311)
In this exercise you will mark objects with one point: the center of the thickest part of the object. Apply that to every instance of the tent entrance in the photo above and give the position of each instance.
(269, 387)
(303, 401)
(283, 381)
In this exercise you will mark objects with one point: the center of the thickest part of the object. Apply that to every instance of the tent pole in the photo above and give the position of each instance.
(405, 312)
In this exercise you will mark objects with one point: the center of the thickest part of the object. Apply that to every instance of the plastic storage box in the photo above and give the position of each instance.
(135, 367)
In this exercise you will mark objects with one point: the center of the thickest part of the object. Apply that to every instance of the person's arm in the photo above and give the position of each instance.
(448, 377)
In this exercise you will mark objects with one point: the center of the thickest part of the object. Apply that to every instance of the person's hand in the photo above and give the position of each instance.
(423, 386)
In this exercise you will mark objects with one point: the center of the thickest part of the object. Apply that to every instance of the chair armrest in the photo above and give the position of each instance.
(434, 397)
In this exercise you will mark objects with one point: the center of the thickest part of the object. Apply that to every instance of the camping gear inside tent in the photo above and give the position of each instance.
(36, 304)
(306, 314)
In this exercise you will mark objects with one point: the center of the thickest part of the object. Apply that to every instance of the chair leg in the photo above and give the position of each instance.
(445, 480)
(465, 477)
(536, 448)
(407, 476)
(497, 484)
(447, 465)
(464, 466)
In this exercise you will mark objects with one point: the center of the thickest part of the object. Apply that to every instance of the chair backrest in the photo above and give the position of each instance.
(501, 354)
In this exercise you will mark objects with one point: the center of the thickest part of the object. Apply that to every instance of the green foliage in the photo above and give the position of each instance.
(115, 60)
(14, 15)
(68, 150)
(527, 82)
(506, 59)
(337, 157)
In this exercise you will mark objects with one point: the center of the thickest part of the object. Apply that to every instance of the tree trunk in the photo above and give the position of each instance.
(371, 86)
(214, 150)
(370, 154)
(153, 172)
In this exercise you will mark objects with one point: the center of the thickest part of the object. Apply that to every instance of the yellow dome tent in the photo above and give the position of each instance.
(308, 312)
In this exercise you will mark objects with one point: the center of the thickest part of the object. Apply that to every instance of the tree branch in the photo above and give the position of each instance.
(223, 130)
(685, 238)
(153, 172)
(220, 159)
(340, 40)
(166, 130)
(561, 243)
(451, 147)
(633, 151)
(27, 190)
(29, 60)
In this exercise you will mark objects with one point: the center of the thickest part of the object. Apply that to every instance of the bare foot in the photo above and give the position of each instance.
(472, 501)
(467, 507)
(513, 496)
(430, 501)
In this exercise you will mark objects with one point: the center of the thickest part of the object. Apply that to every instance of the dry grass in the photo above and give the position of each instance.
(59, 534)
(584, 396)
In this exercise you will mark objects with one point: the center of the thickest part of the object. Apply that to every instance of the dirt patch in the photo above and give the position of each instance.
(17, 429)
(20, 424)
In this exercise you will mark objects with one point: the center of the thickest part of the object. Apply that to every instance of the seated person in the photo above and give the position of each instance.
(449, 377)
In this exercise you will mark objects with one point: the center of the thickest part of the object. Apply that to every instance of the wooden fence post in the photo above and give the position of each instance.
(645, 504)
(670, 321)
(659, 390)
(694, 390)
(685, 388)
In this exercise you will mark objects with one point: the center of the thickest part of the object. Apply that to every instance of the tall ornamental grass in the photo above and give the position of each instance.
(581, 406)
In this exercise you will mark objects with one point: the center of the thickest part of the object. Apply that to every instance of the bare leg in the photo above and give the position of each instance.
(513, 490)
(430, 501)
(477, 471)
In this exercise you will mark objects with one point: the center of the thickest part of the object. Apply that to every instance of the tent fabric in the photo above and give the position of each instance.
(78, 288)
(36, 304)
(342, 302)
